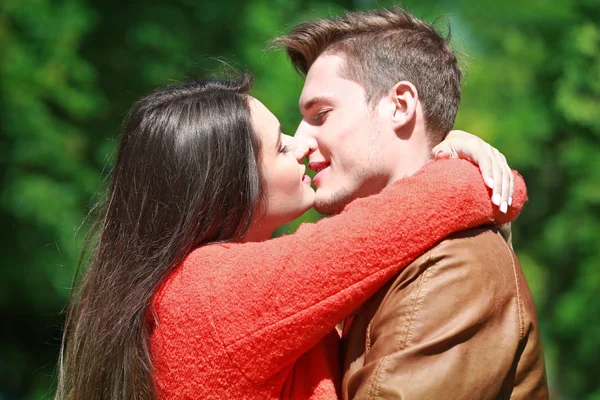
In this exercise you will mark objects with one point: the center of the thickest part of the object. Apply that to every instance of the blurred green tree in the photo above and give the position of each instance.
(534, 91)
(48, 93)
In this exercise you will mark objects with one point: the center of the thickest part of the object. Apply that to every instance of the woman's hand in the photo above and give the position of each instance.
(496, 173)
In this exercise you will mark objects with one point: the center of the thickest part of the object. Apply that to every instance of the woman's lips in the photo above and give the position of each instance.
(319, 175)
(319, 167)
(305, 178)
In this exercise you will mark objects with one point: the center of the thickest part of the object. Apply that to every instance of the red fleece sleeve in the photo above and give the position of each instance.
(274, 300)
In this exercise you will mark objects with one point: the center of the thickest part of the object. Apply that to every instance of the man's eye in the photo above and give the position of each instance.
(320, 117)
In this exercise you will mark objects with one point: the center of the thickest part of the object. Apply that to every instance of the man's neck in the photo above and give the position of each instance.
(408, 150)
(410, 164)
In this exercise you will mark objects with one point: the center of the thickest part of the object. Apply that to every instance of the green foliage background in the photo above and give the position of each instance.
(69, 71)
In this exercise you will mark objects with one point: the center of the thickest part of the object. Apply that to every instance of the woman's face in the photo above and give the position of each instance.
(288, 190)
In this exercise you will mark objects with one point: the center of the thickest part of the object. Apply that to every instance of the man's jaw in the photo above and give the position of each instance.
(329, 203)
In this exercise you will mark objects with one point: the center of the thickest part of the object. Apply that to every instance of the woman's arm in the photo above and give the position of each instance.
(278, 298)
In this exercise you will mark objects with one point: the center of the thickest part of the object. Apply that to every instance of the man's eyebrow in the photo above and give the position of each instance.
(313, 102)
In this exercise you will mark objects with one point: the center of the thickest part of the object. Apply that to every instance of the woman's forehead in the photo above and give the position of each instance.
(264, 121)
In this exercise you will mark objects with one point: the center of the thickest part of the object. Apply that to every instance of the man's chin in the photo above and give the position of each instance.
(331, 204)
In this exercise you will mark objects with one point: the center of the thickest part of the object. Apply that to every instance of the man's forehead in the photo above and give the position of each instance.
(335, 91)
(321, 81)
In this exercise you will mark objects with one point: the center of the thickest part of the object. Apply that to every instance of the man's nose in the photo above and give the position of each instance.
(305, 139)
(303, 146)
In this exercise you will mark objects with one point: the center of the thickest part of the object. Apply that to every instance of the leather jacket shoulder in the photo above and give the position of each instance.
(457, 323)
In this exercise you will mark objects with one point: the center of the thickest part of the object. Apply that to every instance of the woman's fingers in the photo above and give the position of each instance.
(512, 189)
(443, 151)
(486, 166)
(506, 174)
(494, 168)
(497, 175)
(442, 154)
(475, 152)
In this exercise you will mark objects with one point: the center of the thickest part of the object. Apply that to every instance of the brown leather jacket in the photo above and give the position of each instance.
(457, 323)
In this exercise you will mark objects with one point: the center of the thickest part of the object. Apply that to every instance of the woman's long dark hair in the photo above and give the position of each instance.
(187, 173)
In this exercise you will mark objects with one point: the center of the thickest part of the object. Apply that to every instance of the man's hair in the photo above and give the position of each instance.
(381, 48)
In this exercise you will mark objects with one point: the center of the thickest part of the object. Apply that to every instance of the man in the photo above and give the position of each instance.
(382, 89)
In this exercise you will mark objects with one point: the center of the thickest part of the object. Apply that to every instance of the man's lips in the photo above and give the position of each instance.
(318, 166)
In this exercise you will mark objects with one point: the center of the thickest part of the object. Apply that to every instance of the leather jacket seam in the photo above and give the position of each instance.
(406, 335)
(368, 338)
(376, 382)
(518, 291)
(405, 327)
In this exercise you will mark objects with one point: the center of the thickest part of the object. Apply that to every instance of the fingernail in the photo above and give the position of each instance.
(510, 200)
(496, 199)
(504, 207)
(441, 153)
(489, 182)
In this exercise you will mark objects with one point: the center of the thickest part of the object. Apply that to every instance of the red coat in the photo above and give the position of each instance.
(256, 320)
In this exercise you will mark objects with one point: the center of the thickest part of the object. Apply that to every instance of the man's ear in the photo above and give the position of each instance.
(404, 97)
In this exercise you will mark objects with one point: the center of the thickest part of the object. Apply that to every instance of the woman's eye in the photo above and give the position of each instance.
(284, 149)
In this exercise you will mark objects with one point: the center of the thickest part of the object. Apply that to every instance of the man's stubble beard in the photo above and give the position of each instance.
(334, 203)
(371, 182)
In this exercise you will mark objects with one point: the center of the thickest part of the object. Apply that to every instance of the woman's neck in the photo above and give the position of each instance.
(258, 233)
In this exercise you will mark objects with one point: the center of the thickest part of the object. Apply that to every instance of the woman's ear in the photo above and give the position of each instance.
(404, 96)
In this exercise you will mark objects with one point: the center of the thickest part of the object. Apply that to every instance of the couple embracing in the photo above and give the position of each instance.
(186, 296)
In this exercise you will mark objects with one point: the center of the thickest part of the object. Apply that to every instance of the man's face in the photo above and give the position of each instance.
(348, 160)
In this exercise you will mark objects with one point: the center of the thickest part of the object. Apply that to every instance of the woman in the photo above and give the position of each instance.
(185, 297)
